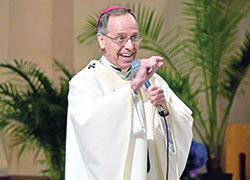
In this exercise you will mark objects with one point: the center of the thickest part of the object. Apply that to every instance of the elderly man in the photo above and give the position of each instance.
(114, 129)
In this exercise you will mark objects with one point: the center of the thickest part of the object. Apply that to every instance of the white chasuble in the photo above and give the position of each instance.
(102, 141)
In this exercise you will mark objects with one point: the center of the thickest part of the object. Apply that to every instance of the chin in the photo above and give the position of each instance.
(125, 65)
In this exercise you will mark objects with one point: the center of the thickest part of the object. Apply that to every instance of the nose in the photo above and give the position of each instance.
(129, 45)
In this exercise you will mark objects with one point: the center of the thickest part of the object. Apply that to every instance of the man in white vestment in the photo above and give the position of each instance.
(118, 128)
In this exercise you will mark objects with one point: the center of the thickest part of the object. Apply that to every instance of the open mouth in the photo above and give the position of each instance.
(127, 55)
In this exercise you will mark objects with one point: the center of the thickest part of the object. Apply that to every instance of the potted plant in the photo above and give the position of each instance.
(221, 67)
(33, 112)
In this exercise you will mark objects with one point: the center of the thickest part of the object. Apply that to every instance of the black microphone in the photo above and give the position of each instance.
(135, 66)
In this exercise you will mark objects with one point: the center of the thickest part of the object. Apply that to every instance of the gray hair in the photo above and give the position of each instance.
(103, 23)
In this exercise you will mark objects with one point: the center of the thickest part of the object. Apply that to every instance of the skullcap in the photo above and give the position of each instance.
(107, 10)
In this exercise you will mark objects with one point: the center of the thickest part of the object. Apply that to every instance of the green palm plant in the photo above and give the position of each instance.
(201, 65)
(33, 112)
(212, 43)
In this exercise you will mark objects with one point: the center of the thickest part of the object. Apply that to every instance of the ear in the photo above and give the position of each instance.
(101, 41)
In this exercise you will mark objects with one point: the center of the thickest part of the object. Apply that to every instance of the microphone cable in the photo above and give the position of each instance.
(135, 66)
(166, 126)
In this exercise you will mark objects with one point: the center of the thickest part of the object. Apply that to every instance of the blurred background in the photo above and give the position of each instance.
(59, 37)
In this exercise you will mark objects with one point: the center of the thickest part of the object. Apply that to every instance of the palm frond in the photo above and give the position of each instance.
(61, 67)
(213, 27)
(212, 33)
(89, 31)
(10, 90)
(234, 74)
(35, 117)
(19, 70)
(31, 75)
(236, 70)
(150, 22)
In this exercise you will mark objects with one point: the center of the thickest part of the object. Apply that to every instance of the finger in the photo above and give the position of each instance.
(159, 64)
(154, 62)
(155, 90)
(157, 58)
(156, 97)
(152, 59)
(152, 88)
(153, 66)
(158, 101)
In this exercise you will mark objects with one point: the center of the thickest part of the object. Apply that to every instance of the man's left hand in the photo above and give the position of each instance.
(157, 97)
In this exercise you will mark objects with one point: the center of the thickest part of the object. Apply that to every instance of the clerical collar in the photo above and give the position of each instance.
(123, 73)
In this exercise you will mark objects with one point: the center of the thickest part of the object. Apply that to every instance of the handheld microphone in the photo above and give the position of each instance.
(135, 66)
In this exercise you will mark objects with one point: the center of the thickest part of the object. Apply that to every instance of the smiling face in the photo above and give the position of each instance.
(123, 25)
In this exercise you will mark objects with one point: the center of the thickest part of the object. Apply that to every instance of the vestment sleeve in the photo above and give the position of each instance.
(181, 125)
(180, 120)
(101, 124)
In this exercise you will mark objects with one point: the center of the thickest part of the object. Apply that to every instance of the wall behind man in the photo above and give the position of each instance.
(42, 29)
(37, 31)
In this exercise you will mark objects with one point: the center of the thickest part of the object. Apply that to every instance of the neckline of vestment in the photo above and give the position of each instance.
(125, 74)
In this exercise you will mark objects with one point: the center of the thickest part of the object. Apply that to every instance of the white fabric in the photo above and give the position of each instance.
(138, 124)
(104, 143)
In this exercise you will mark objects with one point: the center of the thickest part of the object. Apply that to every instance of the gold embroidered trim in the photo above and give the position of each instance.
(172, 127)
(144, 114)
(131, 117)
(160, 174)
(143, 109)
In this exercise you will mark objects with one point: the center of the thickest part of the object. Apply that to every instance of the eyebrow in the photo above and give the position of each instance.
(119, 34)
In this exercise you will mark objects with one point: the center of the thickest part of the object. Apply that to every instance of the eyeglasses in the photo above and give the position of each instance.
(123, 39)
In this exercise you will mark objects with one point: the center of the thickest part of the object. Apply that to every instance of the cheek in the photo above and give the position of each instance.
(118, 50)
(136, 47)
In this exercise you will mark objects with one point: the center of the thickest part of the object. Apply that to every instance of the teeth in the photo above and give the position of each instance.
(127, 55)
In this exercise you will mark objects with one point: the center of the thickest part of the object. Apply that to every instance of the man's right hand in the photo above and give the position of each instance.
(146, 70)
